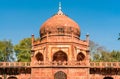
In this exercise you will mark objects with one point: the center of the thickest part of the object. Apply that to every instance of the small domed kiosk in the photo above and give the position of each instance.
(60, 47)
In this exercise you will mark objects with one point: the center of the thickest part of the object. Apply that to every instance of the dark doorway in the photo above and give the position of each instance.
(60, 75)
(80, 56)
(12, 78)
(108, 78)
(39, 56)
(60, 56)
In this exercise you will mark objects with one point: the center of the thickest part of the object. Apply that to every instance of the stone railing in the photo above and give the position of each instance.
(59, 64)
(14, 64)
(104, 64)
(43, 64)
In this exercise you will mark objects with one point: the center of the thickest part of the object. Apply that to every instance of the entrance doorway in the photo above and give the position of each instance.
(107, 78)
(60, 75)
(12, 78)
(60, 56)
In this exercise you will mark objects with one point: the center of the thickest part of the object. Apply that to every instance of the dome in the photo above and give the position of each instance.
(60, 23)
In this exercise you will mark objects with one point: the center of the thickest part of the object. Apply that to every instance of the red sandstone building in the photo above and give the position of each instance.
(60, 54)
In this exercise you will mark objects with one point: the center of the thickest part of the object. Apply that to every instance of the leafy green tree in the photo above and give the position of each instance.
(105, 57)
(96, 57)
(118, 56)
(23, 50)
(6, 51)
(115, 55)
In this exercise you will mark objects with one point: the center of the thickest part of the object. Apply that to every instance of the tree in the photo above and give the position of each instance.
(96, 57)
(95, 50)
(6, 51)
(105, 56)
(119, 37)
(118, 56)
(115, 55)
(23, 50)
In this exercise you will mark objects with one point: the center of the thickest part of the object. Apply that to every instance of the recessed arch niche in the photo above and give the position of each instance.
(80, 56)
(107, 78)
(60, 56)
(12, 78)
(39, 56)
(60, 75)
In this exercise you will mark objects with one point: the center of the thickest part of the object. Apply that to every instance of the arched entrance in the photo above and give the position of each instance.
(80, 56)
(60, 56)
(107, 78)
(39, 57)
(60, 75)
(12, 78)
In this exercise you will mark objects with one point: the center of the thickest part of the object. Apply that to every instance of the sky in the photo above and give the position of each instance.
(100, 18)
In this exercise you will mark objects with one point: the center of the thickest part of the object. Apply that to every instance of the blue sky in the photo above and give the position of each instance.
(100, 18)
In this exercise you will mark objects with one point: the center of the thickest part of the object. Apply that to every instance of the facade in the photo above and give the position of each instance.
(60, 54)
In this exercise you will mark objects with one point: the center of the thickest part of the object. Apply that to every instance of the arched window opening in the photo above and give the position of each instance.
(39, 57)
(60, 75)
(60, 56)
(80, 56)
(107, 78)
(12, 78)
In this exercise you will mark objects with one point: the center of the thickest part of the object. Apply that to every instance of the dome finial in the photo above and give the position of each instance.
(60, 9)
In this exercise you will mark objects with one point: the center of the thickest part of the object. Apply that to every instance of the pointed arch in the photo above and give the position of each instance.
(60, 75)
(60, 56)
(107, 78)
(12, 77)
(39, 56)
(80, 56)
